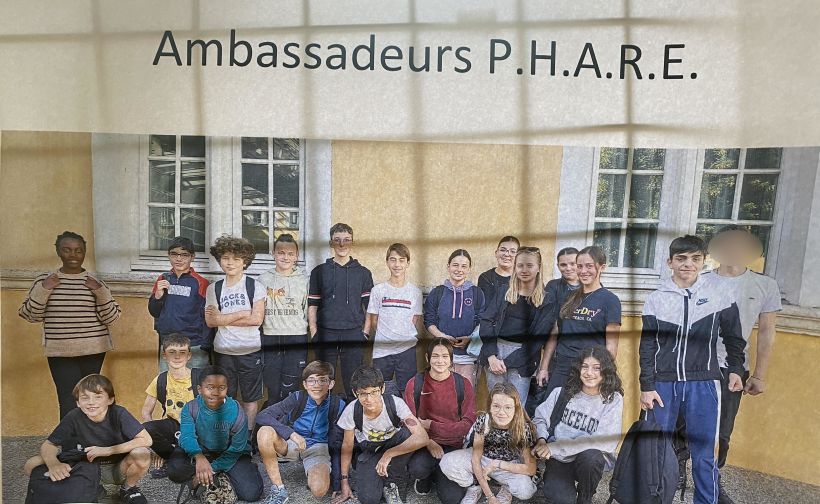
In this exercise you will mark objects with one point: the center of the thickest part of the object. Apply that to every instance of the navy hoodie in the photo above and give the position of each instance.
(341, 294)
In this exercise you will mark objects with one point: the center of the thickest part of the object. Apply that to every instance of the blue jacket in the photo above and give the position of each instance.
(181, 309)
(455, 311)
(211, 435)
(279, 416)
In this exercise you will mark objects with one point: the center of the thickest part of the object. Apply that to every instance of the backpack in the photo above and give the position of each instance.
(419, 383)
(162, 386)
(302, 397)
(82, 486)
(646, 470)
(236, 426)
(250, 287)
(558, 412)
(390, 406)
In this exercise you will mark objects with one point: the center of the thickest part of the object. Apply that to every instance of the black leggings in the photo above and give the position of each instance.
(67, 371)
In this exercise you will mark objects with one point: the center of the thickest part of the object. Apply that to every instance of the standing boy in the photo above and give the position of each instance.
(213, 439)
(338, 296)
(682, 321)
(172, 389)
(177, 303)
(284, 330)
(303, 427)
(495, 281)
(236, 306)
(108, 434)
(386, 433)
(395, 311)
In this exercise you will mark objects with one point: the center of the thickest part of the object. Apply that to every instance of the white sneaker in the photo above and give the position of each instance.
(473, 495)
(504, 496)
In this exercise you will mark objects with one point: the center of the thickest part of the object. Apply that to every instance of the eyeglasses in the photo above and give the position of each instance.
(179, 255)
(505, 409)
(369, 395)
(506, 251)
(317, 381)
(342, 241)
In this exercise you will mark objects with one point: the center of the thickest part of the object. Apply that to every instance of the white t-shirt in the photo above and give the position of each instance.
(236, 340)
(754, 294)
(395, 307)
(377, 429)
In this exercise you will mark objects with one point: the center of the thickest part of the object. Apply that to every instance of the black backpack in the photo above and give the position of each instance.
(419, 383)
(82, 486)
(390, 406)
(558, 411)
(162, 386)
(646, 471)
(302, 397)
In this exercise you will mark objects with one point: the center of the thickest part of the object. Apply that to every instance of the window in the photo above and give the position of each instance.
(627, 205)
(738, 186)
(272, 185)
(176, 190)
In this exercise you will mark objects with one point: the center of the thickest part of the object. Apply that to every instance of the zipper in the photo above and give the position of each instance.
(685, 342)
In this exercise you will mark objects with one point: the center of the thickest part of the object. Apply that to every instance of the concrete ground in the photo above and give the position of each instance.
(745, 487)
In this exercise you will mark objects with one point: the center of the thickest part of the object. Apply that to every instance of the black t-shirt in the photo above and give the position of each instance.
(561, 290)
(587, 325)
(118, 427)
(492, 284)
(517, 321)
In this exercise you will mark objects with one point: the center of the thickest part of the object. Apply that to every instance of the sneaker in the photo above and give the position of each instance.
(277, 495)
(391, 494)
(422, 486)
(159, 473)
(722, 497)
(504, 496)
(132, 495)
(473, 495)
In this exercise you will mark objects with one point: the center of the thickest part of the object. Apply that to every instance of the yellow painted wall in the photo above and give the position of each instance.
(439, 197)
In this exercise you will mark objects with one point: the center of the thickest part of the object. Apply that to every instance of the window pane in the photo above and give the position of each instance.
(639, 250)
(193, 146)
(717, 195)
(255, 228)
(286, 148)
(192, 225)
(763, 159)
(163, 145)
(648, 159)
(254, 184)
(645, 196)
(286, 222)
(757, 197)
(161, 228)
(721, 159)
(254, 148)
(762, 232)
(610, 199)
(613, 159)
(707, 231)
(286, 186)
(607, 235)
(161, 180)
(192, 183)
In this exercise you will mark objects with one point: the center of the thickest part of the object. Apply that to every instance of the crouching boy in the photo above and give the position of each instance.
(108, 434)
(213, 439)
(386, 434)
(303, 427)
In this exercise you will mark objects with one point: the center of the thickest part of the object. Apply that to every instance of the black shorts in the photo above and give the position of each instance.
(245, 373)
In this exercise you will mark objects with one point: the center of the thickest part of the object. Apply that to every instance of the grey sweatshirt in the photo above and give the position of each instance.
(587, 423)
(285, 303)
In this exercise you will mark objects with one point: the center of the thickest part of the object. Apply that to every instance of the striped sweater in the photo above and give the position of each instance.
(75, 318)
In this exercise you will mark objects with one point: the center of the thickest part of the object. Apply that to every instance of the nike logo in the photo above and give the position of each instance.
(702, 301)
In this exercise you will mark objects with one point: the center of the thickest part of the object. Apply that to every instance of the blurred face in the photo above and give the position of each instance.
(502, 408)
(72, 252)
(231, 264)
(440, 359)
(214, 390)
(286, 255)
(458, 269)
(177, 356)
(505, 254)
(589, 272)
(591, 375)
(342, 244)
(370, 399)
(526, 267)
(94, 404)
(397, 264)
(686, 267)
(566, 265)
(735, 248)
(180, 259)
(318, 386)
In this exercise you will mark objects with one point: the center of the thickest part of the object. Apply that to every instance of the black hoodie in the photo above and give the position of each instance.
(341, 294)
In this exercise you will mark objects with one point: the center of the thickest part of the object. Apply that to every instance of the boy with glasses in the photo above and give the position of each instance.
(303, 427)
(177, 303)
